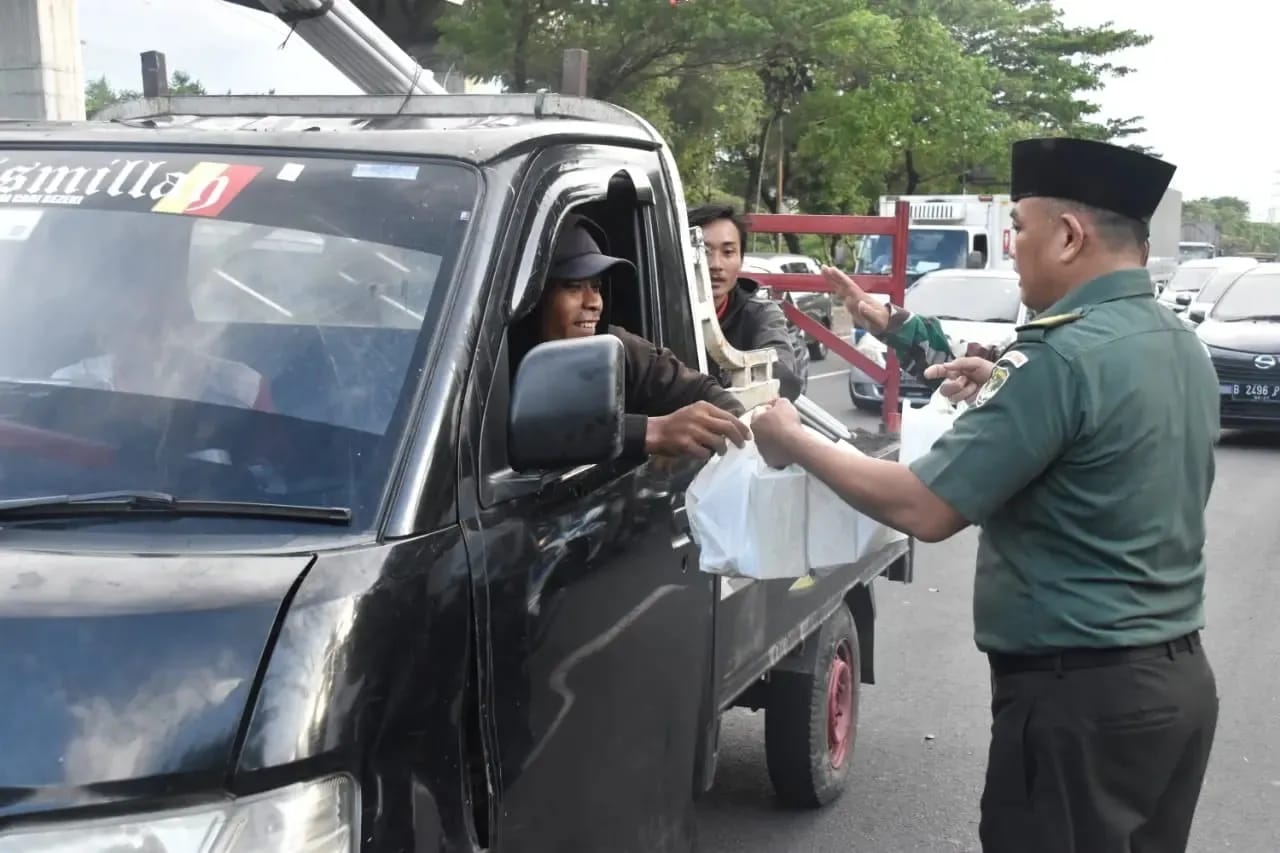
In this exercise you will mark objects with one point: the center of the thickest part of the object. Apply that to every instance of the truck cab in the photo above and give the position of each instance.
(947, 232)
(305, 547)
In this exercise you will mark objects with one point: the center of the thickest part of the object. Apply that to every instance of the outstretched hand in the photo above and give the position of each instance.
(697, 430)
(962, 377)
(777, 430)
(866, 311)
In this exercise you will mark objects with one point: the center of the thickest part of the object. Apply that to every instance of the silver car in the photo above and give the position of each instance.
(977, 306)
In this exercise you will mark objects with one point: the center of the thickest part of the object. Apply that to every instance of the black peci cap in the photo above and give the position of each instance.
(1100, 175)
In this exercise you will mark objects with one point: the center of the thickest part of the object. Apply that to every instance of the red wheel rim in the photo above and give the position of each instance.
(840, 705)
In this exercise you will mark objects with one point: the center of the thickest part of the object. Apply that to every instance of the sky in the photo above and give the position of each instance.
(1204, 85)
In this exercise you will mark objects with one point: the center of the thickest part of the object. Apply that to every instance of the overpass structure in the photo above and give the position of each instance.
(42, 74)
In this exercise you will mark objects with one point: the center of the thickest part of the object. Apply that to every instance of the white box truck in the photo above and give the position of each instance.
(947, 231)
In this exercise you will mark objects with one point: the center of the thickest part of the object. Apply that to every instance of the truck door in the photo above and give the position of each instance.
(593, 623)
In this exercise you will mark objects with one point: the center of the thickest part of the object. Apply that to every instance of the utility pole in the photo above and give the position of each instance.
(155, 75)
(573, 73)
(782, 149)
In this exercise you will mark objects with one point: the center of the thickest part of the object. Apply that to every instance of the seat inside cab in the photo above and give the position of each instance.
(330, 323)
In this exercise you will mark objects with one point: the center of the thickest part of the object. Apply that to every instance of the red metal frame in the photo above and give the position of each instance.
(894, 285)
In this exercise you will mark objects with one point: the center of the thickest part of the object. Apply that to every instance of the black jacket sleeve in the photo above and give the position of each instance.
(658, 384)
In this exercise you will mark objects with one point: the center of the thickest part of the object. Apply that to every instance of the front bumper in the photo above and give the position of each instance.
(1234, 371)
(862, 390)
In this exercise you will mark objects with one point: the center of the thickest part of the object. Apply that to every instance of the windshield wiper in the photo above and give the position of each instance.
(950, 317)
(1256, 318)
(105, 503)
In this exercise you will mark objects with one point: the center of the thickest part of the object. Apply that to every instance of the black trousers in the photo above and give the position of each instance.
(1102, 759)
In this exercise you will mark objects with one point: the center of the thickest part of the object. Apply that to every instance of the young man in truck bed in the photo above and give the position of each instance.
(748, 323)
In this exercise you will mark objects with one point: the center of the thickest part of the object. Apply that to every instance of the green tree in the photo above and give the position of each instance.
(855, 98)
(1231, 216)
(99, 93)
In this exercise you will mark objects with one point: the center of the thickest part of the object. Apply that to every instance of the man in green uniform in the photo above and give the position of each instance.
(1087, 460)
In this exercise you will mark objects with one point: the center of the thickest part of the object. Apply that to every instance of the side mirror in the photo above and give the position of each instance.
(1183, 298)
(567, 408)
(1196, 316)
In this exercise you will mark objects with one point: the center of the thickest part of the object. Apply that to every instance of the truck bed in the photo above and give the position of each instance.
(759, 622)
(876, 444)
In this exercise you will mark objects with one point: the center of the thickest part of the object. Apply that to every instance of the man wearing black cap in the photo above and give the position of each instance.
(1089, 478)
(671, 409)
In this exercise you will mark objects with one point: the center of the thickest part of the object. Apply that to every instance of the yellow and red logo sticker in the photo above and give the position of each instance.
(206, 189)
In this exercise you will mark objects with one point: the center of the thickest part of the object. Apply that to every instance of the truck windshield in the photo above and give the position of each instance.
(927, 249)
(217, 328)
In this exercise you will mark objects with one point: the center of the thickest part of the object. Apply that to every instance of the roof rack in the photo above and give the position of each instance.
(538, 106)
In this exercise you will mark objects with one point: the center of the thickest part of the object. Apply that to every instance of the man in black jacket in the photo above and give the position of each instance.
(748, 323)
(671, 409)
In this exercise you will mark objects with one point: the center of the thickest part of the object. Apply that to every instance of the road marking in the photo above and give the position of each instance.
(813, 376)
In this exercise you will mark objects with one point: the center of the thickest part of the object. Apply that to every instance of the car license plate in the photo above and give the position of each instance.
(1256, 392)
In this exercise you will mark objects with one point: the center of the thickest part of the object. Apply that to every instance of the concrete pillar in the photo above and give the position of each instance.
(41, 73)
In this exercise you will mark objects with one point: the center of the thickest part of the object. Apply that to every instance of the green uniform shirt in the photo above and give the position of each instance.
(1087, 459)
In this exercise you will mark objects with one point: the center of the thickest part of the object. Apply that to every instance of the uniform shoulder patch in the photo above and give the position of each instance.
(1052, 321)
(1004, 367)
(1014, 357)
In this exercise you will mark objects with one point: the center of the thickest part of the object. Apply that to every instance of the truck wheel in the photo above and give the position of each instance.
(811, 718)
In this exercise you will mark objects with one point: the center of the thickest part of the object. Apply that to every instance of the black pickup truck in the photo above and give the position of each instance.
(295, 558)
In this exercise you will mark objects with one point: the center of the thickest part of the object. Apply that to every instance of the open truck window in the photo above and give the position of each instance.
(246, 330)
(621, 227)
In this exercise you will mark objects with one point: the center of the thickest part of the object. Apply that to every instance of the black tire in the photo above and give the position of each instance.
(808, 762)
(817, 349)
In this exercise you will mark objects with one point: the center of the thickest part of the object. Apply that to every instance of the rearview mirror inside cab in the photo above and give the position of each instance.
(567, 407)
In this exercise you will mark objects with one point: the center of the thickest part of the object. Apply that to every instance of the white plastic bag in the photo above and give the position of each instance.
(836, 533)
(747, 518)
(923, 425)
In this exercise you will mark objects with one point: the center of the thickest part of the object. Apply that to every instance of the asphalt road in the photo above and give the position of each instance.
(923, 733)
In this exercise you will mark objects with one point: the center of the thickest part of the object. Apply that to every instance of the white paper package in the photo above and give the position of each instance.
(748, 518)
(758, 522)
(836, 533)
(923, 425)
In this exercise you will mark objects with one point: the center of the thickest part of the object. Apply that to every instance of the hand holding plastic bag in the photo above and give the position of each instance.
(747, 518)
(923, 425)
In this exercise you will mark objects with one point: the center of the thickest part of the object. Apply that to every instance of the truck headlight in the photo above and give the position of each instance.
(311, 817)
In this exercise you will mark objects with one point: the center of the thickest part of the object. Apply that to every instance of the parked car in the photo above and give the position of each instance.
(816, 305)
(981, 306)
(1193, 277)
(1202, 302)
(1242, 334)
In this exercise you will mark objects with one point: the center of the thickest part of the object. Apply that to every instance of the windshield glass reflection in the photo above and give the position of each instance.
(216, 331)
